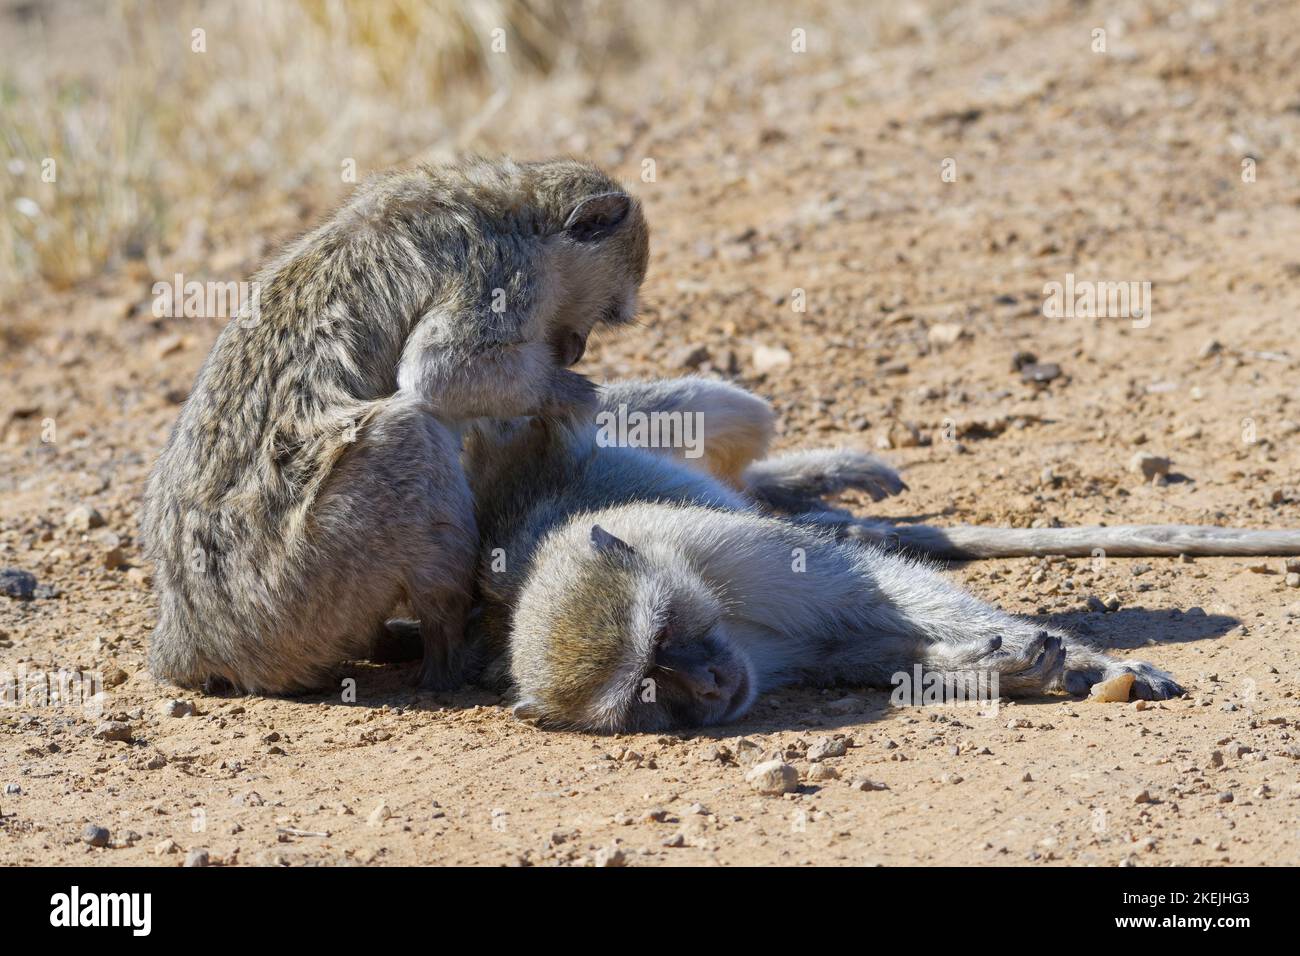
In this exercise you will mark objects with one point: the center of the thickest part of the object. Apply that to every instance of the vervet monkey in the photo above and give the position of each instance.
(624, 590)
(313, 481)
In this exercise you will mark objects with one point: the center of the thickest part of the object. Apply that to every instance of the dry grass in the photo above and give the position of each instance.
(153, 141)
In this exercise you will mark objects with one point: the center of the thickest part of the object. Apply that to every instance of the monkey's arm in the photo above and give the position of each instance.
(463, 378)
(968, 541)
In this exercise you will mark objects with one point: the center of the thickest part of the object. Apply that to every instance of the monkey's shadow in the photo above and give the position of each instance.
(1129, 631)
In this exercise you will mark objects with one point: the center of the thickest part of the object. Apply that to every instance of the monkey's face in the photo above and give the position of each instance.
(644, 649)
(601, 246)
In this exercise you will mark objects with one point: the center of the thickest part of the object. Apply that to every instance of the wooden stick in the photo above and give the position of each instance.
(1117, 541)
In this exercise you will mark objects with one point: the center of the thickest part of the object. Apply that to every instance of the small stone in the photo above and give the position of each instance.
(1027, 778)
(1020, 359)
(1142, 796)
(1293, 580)
(826, 747)
(676, 840)
(114, 730)
(690, 357)
(822, 771)
(113, 559)
(1112, 691)
(1150, 466)
(769, 359)
(1212, 347)
(114, 675)
(610, 856)
(95, 835)
(19, 585)
(378, 815)
(773, 777)
(945, 334)
(83, 518)
(1225, 797)
(1096, 604)
(199, 856)
(13, 789)
(176, 708)
(1040, 373)
(865, 785)
(165, 847)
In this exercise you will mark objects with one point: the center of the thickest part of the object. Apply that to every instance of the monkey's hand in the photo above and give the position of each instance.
(570, 396)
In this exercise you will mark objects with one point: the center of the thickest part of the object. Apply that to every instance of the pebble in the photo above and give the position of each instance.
(1040, 372)
(114, 675)
(1113, 691)
(1149, 465)
(1142, 796)
(19, 585)
(825, 747)
(610, 856)
(176, 708)
(822, 771)
(865, 785)
(1225, 796)
(199, 856)
(1293, 580)
(379, 814)
(95, 835)
(83, 518)
(773, 777)
(770, 359)
(114, 730)
(166, 846)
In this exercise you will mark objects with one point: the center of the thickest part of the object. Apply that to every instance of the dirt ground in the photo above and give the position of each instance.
(782, 179)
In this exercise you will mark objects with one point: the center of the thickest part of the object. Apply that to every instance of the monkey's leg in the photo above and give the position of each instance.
(953, 631)
(796, 482)
(722, 428)
(399, 516)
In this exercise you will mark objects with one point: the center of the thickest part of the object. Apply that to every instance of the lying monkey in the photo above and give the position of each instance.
(627, 589)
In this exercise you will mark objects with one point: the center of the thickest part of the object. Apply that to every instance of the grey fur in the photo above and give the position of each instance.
(312, 481)
(706, 599)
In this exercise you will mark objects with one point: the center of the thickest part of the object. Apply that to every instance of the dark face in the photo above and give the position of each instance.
(640, 646)
(602, 247)
(698, 681)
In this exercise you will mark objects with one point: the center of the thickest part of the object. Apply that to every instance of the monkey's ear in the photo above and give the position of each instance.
(596, 217)
(605, 543)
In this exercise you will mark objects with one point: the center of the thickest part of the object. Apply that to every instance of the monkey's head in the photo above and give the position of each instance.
(610, 639)
(601, 246)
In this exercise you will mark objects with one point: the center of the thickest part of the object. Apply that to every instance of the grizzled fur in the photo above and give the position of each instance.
(606, 572)
(312, 481)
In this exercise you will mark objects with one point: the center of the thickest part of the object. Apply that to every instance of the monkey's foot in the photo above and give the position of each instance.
(1030, 667)
(1149, 682)
(436, 676)
(397, 641)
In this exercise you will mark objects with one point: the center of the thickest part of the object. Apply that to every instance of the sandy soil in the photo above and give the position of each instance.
(777, 173)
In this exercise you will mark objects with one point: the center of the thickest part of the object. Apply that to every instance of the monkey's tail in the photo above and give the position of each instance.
(796, 482)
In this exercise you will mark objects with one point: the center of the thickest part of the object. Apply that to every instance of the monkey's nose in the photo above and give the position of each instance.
(707, 682)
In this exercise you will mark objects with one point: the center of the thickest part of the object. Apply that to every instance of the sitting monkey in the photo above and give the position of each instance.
(312, 481)
(608, 571)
